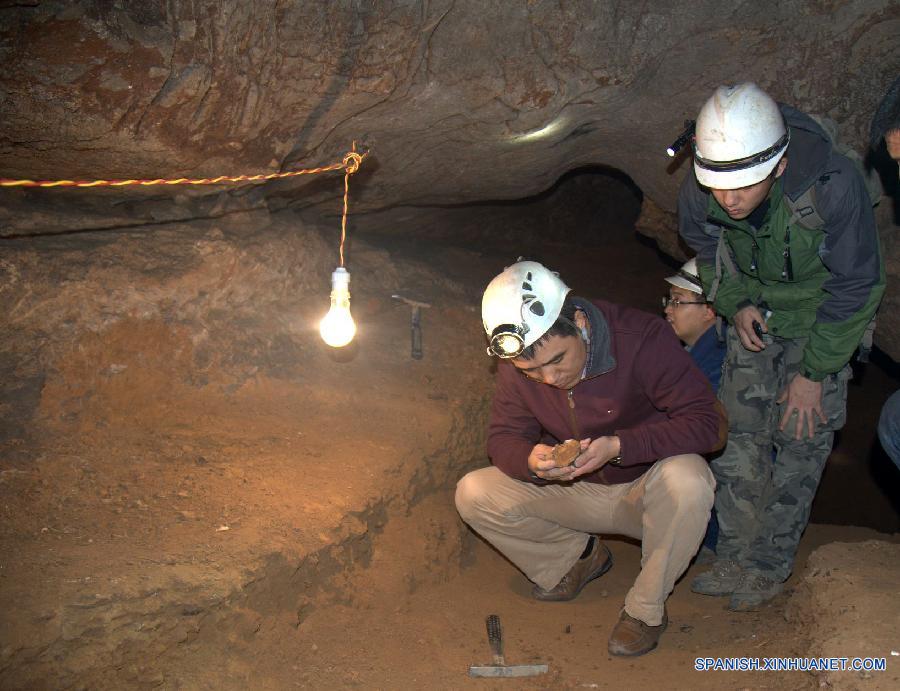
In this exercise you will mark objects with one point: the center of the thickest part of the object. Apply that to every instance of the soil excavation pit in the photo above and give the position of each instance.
(198, 494)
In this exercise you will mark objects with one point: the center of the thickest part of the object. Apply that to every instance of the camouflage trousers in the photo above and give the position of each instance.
(763, 507)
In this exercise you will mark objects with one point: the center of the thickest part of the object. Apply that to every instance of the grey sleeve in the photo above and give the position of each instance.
(850, 249)
(692, 203)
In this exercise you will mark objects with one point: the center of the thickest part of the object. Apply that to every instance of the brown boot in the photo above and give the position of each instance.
(583, 572)
(633, 637)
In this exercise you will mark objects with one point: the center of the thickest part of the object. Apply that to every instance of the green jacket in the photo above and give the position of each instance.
(838, 271)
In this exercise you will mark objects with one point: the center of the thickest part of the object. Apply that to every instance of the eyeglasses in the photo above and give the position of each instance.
(676, 303)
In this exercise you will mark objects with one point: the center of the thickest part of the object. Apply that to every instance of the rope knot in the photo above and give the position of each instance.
(352, 161)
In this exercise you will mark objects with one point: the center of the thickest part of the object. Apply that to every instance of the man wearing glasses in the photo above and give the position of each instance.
(694, 322)
(616, 380)
(788, 252)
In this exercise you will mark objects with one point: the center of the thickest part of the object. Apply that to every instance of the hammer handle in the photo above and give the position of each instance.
(495, 638)
(416, 342)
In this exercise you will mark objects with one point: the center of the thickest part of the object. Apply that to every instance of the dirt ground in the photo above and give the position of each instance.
(197, 494)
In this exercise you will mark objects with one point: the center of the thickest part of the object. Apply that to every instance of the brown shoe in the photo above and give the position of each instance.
(633, 637)
(583, 572)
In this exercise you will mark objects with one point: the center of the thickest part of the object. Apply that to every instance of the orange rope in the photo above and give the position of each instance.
(351, 165)
(351, 160)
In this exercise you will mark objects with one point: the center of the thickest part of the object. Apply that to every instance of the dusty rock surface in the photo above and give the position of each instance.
(195, 492)
(459, 101)
(847, 606)
(188, 438)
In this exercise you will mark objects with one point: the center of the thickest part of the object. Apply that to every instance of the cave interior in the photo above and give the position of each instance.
(199, 493)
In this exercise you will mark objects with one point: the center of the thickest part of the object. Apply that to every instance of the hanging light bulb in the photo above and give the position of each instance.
(337, 327)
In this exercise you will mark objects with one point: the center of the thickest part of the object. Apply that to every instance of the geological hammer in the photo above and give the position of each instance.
(500, 668)
(415, 324)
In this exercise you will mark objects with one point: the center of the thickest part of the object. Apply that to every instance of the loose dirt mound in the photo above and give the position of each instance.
(847, 607)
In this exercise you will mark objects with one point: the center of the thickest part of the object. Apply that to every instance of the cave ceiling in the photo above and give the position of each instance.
(456, 101)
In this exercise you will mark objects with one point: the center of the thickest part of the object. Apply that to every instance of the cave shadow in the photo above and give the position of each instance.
(885, 474)
(866, 491)
(591, 169)
(887, 170)
(881, 467)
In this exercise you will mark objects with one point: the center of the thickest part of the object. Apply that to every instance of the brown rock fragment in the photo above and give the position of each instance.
(565, 454)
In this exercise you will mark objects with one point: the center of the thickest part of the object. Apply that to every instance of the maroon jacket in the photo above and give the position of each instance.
(640, 385)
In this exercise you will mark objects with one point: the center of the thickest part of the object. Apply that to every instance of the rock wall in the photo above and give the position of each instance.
(458, 101)
(183, 458)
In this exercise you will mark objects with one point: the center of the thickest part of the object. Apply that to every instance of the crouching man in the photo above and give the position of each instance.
(617, 380)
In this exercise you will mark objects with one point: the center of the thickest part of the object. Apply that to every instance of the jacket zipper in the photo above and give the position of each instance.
(570, 396)
(787, 270)
(570, 399)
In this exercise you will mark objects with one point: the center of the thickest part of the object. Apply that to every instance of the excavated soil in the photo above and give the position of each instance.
(846, 604)
(197, 494)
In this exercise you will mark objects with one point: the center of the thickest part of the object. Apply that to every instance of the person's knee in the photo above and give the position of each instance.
(688, 481)
(470, 495)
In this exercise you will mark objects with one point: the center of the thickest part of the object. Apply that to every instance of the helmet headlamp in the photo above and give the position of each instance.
(507, 341)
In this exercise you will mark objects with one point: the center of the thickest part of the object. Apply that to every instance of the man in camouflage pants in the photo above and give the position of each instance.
(766, 507)
(788, 253)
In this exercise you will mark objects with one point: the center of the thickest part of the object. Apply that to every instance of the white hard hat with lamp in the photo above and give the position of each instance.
(519, 306)
(740, 137)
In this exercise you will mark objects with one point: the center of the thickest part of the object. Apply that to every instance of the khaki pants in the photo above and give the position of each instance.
(544, 529)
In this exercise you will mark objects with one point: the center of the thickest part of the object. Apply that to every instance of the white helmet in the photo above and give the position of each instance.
(687, 277)
(740, 137)
(519, 306)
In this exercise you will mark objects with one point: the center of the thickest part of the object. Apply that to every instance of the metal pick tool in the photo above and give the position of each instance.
(500, 668)
(415, 324)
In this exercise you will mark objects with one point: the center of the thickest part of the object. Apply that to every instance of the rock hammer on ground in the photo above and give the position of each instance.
(500, 668)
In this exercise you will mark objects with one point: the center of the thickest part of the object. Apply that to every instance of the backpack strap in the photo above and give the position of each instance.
(803, 210)
(865, 344)
(723, 259)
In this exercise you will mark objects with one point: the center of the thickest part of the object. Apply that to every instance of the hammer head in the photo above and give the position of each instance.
(415, 304)
(507, 670)
(500, 668)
